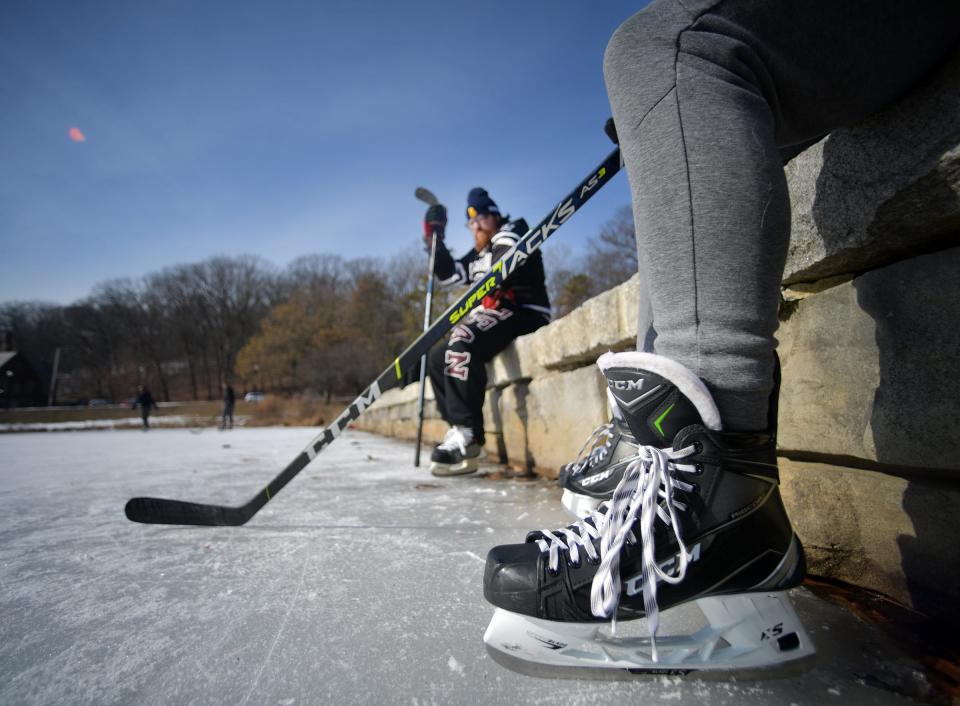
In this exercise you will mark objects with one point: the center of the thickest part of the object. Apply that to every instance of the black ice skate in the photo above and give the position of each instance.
(696, 517)
(590, 480)
(592, 476)
(457, 454)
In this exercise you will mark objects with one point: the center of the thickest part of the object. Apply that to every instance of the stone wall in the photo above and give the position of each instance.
(869, 341)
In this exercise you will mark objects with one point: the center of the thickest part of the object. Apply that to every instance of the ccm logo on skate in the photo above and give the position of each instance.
(635, 583)
(603, 475)
(626, 384)
(596, 478)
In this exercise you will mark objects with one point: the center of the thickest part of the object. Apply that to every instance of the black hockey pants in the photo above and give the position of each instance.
(458, 371)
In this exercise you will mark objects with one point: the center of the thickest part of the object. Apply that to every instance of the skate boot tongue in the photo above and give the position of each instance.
(657, 397)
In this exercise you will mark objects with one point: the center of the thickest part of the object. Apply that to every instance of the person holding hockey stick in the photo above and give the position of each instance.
(519, 306)
(709, 97)
(171, 511)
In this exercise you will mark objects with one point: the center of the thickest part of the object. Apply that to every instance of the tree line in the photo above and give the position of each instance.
(322, 323)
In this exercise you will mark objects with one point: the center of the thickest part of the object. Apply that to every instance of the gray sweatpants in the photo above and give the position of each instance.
(707, 96)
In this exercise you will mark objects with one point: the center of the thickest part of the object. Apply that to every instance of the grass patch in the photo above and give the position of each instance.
(296, 411)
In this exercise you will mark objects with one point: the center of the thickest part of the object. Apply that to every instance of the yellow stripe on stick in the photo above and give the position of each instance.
(396, 366)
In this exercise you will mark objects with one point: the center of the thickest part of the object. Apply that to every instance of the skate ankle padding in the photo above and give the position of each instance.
(657, 396)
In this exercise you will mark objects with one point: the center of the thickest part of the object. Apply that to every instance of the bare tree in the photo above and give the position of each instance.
(567, 286)
(140, 318)
(303, 342)
(323, 323)
(231, 301)
(322, 275)
(174, 288)
(613, 253)
(611, 259)
(97, 344)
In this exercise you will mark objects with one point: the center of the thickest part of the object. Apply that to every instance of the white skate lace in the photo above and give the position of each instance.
(594, 450)
(646, 481)
(456, 438)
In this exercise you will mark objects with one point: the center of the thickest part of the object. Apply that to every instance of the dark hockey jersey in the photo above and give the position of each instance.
(525, 287)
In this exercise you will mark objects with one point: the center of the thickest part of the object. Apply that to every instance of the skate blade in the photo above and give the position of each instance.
(579, 506)
(749, 636)
(468, 465)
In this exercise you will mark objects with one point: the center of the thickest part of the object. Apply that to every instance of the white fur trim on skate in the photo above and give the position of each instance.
(744, 633)
(689, 384)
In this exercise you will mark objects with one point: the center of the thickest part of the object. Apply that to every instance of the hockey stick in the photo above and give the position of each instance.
(428, 198)
(179, 512)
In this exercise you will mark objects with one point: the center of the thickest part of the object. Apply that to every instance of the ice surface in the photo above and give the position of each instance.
(360, 583)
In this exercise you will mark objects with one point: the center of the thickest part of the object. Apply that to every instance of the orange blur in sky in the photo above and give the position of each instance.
(76, 135)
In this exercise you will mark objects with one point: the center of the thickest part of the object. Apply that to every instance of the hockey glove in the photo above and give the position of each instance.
(434, 222)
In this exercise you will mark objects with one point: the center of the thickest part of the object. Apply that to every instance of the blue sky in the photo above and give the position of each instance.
(281, 129)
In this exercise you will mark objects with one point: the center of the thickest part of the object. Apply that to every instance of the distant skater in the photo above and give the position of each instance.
(229, 401)
(144, 401)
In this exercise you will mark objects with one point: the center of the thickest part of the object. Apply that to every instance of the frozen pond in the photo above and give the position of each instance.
(360, 583)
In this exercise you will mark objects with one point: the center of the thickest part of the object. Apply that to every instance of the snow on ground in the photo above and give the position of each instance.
(360, 583)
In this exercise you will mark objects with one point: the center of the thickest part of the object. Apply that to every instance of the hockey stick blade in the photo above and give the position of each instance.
(426, 196)
(158, 511)
(161, 511)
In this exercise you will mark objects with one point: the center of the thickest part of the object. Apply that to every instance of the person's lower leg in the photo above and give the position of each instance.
(712, 217)
(708, 97)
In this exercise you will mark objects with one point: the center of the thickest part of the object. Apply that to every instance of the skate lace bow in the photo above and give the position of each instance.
(646, 489)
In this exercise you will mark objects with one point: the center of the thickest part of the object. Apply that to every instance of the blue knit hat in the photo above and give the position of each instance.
(480, 203)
